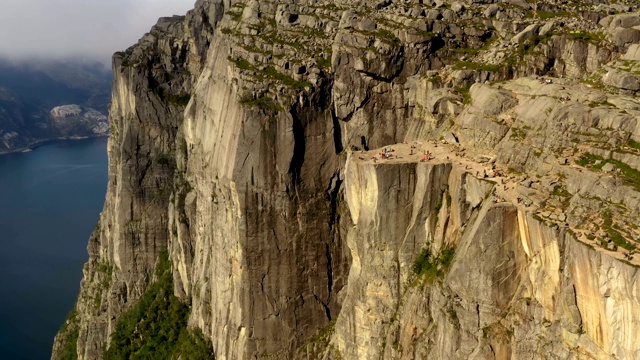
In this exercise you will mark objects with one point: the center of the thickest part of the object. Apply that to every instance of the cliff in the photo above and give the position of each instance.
(248, 140)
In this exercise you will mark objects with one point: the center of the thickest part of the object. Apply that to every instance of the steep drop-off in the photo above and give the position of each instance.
(243, 139)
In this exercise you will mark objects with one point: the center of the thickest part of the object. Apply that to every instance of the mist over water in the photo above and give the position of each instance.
(50, 200)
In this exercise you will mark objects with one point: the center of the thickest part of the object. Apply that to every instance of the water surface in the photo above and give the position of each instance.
(50, 200)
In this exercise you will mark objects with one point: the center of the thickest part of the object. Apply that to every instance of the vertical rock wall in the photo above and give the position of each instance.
(517, 287)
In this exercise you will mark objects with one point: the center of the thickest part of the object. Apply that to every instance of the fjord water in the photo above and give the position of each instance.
(50, 200)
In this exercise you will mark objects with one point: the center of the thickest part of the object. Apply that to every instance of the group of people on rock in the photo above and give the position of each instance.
(545, 81)
(426, 156)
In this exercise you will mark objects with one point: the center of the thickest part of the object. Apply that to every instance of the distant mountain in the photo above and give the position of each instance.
(30, 90)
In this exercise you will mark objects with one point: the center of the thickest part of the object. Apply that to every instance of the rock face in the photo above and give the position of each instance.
(73, 120)
(242, 141)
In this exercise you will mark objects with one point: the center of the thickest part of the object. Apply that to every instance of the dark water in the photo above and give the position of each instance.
(50, 200)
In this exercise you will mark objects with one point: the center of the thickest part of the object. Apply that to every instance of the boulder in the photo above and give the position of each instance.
(624, 36)
(547, 28)
(523, 35)
(633, 53)
(624, 21)
(608, 167)
(491, 10)
(622, 79)
(457, 7)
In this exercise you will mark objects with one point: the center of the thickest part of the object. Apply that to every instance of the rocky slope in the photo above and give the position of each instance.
(502, 225)
(31, 92)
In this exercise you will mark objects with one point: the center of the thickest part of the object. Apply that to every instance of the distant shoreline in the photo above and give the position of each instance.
(36, 144)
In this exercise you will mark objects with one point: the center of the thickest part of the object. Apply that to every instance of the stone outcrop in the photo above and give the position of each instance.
(243, 139)
(73, 120)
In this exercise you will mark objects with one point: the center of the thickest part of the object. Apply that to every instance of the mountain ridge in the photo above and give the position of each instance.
(33, 88)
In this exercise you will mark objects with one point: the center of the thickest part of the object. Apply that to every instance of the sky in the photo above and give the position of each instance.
(87, 29)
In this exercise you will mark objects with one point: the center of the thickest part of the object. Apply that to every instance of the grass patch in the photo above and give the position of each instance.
(591, 161)
(436, 79)
(517, 134)
(544, 15)
(68, 336)
(269, 72)
(464, 92)
(613, 234)
(242, 64)
(156, 326)
(561, 191)
(387, 36)
(438, 205)
(263, 102)
(235, 15)
(531, 43)
(180, 99)
(469, 65)
(324, 62)
(586, 36)
(433, 267)
(319, 342)
(630, 175)
(633, 144)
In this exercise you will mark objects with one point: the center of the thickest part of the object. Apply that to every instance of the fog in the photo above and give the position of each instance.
(80, 29)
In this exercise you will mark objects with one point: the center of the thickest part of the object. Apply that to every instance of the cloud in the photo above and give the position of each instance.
(89, 29)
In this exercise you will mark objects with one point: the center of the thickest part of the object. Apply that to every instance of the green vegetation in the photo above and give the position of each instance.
(586, 36)
(464, 92)
(476, 66)
(531, 43)
(630, 175)
(182, 190)
(235, 15)
(590, 160)
(226, 31)
(433, 267)
(518, 134)
(263, 102)
(156, 326)
(269, 72)
(544, 15)
(320, 342)
(68, 337)
(614, 235)
(560, 191)
(242, 64)
(387, 36)
(164, 159)
(511, 170)
(594, 82)
(181, 99)
(438, 205)
(324, 62)
(594, 104)
(633, 144)
(436, 79)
